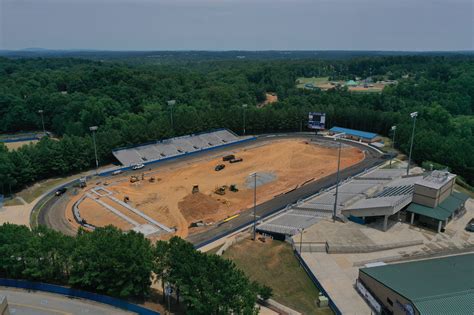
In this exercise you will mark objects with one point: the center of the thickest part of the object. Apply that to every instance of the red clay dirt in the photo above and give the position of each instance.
(170, 200)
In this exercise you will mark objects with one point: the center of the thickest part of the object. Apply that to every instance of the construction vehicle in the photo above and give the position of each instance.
(228, 157)
(195, 189)
(233, 188)
(219, 167)
(126, 199)
(82, 182)
(220, 190)
(236, 160)
(151, 179)
(134, 179)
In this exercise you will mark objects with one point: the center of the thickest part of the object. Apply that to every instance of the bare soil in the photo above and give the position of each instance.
(170, 201)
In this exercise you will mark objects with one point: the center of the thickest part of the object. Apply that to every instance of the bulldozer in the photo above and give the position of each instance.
(233, 188)
(134, 179)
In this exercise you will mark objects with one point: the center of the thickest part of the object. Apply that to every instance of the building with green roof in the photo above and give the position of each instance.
(433, 286)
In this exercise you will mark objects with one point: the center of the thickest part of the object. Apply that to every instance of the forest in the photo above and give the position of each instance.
(128, 102)
(114, 263)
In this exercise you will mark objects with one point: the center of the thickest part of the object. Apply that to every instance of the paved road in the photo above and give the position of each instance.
(23, 302)
(52, 213)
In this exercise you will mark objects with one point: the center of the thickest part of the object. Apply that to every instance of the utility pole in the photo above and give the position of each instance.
(301, 238)
(93, 129)
(336, 137)
(394, 128)
(171, 103)
(244, 106)
(254, 205)
(42, 120)
(413, 116)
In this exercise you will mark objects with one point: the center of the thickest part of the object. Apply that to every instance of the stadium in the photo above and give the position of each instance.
(180, 192)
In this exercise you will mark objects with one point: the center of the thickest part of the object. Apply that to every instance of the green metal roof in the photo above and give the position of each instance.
(434, 286)
(443, 210)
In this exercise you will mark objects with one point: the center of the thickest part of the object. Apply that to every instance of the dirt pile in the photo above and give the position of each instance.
(198, 206)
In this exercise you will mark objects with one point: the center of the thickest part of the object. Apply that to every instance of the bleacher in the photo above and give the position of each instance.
(174, 147)
(309, 211)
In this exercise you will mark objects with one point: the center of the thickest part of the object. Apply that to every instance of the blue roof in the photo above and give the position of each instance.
(356, 133)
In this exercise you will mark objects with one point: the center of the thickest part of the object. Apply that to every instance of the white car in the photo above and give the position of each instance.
(138, 166)
(117, 172)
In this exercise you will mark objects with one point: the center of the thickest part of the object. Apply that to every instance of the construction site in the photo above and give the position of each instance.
(190, 196)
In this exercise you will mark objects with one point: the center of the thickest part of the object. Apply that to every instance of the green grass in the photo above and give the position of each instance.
(464, 190)
(33, 192)
(12, 202)
(314, 80)
(274, 264)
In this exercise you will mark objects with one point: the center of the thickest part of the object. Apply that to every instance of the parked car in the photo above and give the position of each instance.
(138, 166)
(61, 191)
(117, 172)
(219, 167)
(470, 226)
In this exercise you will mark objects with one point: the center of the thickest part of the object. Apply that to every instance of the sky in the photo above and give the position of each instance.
(408, 25)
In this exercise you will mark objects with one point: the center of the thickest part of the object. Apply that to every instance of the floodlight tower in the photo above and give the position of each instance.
(244, 107)
(394, 128)
(337, 137)
(413, 116)
(42, 119)
(171, 103)
(254, 175)
(93, 129)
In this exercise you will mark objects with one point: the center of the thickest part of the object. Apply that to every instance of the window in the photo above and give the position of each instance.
(389, 301)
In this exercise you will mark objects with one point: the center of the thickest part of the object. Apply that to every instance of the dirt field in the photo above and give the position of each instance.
(281, 165)
(15, 145)
(270, 98)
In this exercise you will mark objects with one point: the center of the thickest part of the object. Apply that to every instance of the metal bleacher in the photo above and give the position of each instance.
(159, 150)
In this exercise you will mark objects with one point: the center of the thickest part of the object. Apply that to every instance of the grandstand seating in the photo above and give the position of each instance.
(152, 152)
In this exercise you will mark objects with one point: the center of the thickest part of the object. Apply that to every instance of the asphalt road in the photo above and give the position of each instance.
(23, 302)
(52, 213)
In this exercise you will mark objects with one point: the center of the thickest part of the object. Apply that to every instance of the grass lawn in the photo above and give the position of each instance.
(464, 190)
(33, 192)
(314, 80)
(12, 202)
(274, 264)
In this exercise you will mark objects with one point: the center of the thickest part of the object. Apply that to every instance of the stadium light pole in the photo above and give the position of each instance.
(42, 119)
(413, 116)
(171, 103)
(336, 137)
(254, 175)
(244, 106)
(394, 128)
(93, 129)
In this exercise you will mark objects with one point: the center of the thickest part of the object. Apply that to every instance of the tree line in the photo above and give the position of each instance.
(123, 265)
(129, 104)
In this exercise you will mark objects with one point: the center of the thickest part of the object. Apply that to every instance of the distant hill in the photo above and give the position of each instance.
(162, 56)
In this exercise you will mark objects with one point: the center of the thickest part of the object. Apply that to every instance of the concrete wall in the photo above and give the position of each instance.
(383, 293)
(4, 305)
